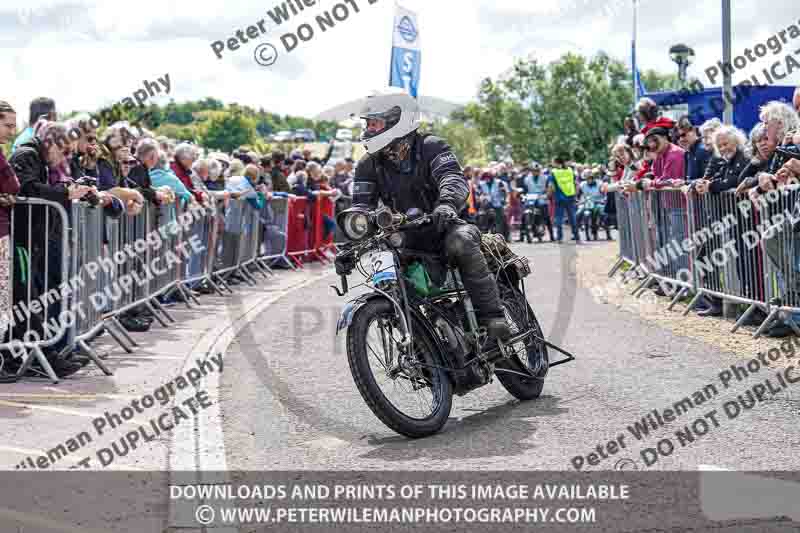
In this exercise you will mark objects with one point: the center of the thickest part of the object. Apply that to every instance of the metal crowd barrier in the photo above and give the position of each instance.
(39, 266)
(275, 220)
(715, 245)
(89, 269)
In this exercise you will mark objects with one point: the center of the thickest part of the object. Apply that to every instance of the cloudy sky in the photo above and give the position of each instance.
(90, 54)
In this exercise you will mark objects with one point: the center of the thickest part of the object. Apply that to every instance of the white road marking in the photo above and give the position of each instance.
(62, 411)
(201, 447)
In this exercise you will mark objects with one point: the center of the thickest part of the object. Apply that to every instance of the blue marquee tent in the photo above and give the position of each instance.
(707, 104)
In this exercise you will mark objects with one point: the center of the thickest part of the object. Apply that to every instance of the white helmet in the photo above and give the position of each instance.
(400, 112)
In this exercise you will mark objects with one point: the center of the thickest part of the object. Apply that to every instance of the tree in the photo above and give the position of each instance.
(574, 107)
(227, 130)
(464, 139)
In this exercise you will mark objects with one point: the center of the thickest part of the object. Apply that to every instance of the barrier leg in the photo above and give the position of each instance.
(153, 304)
(616, 267)
(91, 354)
(124, 332)
(39, 355)
(188, 293)
(259, 268)
(766, 323)
(744, 317)
(214, 286)
(289, 262)
(186, 300)
(221, 281)
(693, 302)
(247, 276)
(642, 286)
(265, 266)
(681, 294)
(116, 337)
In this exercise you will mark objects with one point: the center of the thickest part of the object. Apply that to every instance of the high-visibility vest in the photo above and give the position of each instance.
(565, 180)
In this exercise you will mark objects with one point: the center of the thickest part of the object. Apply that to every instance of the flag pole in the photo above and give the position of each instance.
(635, 68)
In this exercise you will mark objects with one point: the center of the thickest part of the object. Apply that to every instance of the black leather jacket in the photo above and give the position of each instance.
(436, 178)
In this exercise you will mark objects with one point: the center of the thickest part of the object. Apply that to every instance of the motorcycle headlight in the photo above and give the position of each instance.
(354, 224)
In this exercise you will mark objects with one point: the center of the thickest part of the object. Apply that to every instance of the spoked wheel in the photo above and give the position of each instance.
(412, 399)
(530, 356)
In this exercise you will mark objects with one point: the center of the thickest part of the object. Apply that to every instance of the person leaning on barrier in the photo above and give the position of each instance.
(782, 123)
(181, 166)
(697, 155)
(154, 162)
(763, 153)
(668, 166)
(42, 167)
(203, 181)
(730, 146)
(707, 133)
(116, 147)
(9, 187)
(627, 168)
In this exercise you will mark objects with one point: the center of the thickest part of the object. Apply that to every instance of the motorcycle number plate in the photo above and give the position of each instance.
(381, 265)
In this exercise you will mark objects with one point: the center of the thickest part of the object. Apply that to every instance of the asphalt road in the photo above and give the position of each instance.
(289, 401)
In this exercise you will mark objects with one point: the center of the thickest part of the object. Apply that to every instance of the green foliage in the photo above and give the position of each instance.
(573, 107)
(189, 132)
(464, 139)
(193, 121)
(227, 130)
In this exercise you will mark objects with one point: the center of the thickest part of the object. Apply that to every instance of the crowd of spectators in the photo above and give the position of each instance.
(703, 160)
(498, 195)
(119, 170)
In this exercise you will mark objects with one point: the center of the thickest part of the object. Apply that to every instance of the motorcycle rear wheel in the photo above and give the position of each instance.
(412, 389)
(530, 357)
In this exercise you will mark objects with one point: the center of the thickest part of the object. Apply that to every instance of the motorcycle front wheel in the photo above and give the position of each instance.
(402, 386)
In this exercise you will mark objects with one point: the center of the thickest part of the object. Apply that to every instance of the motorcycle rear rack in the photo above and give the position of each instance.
(495, 354)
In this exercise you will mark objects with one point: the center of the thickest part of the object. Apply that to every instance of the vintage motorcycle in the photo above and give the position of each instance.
(413, 340)
(590, 214)
(532, 218)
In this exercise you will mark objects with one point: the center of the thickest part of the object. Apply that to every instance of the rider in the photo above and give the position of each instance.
(406, 170)
(590, 191)
(535, 183)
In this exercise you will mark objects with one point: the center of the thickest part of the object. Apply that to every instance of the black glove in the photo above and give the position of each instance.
(442, 216)
(345, 263)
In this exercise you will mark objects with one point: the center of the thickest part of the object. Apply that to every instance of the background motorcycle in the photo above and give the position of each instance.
(413, 342)
(590, 215)
(532, 217)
